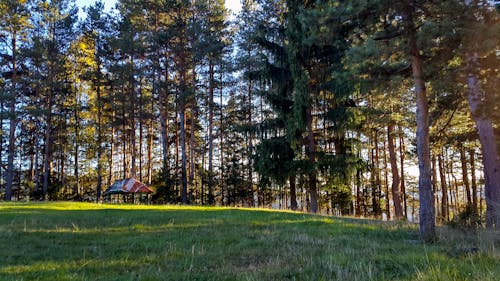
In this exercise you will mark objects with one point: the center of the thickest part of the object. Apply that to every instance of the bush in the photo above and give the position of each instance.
(467, 219)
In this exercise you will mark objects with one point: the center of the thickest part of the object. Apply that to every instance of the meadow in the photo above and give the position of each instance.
(83, 241)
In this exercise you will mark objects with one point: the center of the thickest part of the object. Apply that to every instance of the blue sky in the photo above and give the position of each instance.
(234, 5)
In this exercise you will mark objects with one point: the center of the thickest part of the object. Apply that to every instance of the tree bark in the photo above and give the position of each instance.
(221, 124)
(46, 160)
(386, 182)
(403, 182)
(396, 192)
(111, 147)
(99, 132)
(376, 186)
(489, 147)
(473, 179)
(210, 133)
(435, 184)
(444, 190)
(465, 176)
(426, 197)
(182, 121)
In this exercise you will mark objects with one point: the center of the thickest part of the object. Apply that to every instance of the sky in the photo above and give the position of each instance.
(233, 5)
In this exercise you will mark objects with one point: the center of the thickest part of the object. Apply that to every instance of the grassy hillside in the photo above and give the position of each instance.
(76, 241)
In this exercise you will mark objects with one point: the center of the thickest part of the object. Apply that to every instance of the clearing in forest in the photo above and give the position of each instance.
(81, 241)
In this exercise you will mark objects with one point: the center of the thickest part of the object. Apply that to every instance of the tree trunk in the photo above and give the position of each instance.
(210, 133)
(250, 150)
(473, 179)
(46, 160)
(12, 122)
(76, 187)
(150, 152)
(182, 121)
(444, 190)
(489, 147)
(426, 197)
(192, 154)
(396, 192)
(403, 182)
(293, 196)
(377, 209)
(1, 137)
(165, 136)
(465, 176)
(132, 144)
(141, 120)
(435, 185)
(386, 183)
(221, 144)
(311, 153)
(99, 135)
(359, 193)
(111, 148)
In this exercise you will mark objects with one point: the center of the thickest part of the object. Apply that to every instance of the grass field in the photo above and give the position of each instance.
(78, 241)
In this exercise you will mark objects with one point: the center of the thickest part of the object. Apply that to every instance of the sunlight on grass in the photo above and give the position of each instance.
(75, 206)
(85, 241)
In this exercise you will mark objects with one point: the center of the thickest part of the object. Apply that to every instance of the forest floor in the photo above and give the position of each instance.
(82, 241)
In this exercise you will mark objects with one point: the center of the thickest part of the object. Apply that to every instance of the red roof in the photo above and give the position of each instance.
(130, 185)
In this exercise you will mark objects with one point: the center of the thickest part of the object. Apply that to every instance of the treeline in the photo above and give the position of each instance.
(306, 105)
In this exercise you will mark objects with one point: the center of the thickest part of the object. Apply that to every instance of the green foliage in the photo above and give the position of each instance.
(274, 159)
(468, 219)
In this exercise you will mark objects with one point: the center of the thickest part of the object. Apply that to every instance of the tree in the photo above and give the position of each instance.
(14, 22)
(478, 47)
(95, 29)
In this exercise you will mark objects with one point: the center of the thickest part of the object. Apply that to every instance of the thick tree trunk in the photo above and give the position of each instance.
(426, 197)
(489, 147)
(396, 192)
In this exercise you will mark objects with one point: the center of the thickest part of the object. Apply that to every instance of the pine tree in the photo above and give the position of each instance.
(14, 22)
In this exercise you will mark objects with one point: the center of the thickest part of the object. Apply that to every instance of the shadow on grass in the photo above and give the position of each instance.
(179, 243)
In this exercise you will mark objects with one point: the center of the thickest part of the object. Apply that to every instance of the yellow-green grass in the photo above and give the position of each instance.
(81, 241)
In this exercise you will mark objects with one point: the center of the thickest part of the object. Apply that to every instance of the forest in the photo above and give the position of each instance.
(369, 108)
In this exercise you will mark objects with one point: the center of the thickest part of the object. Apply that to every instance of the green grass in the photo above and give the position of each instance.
(77, 241)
